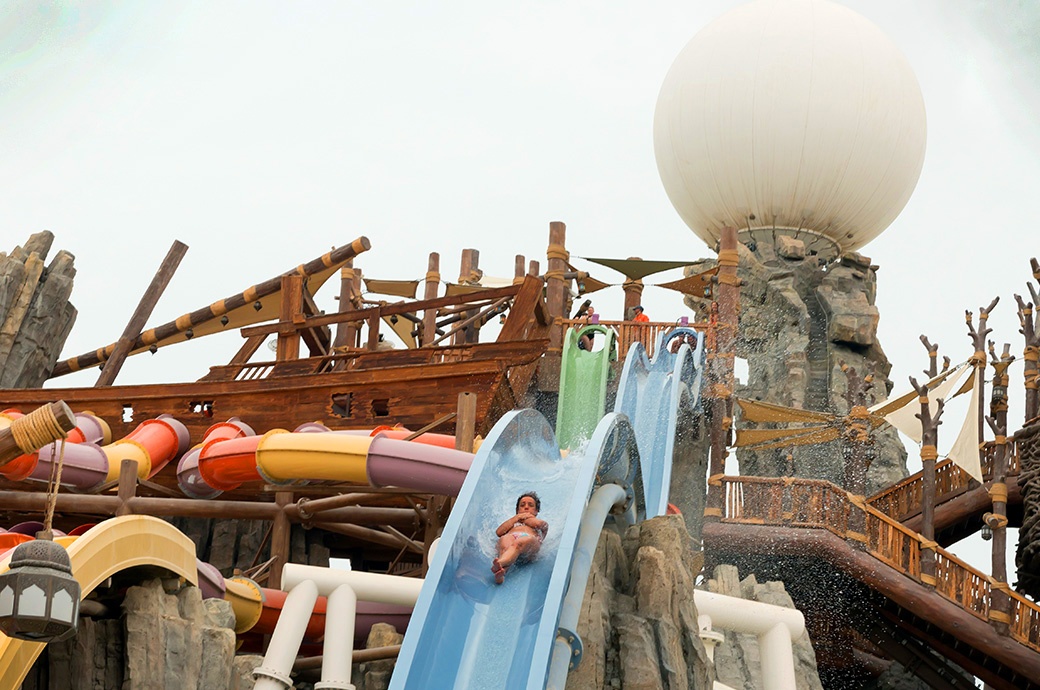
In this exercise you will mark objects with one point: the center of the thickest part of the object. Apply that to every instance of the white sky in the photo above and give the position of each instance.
(263, 133)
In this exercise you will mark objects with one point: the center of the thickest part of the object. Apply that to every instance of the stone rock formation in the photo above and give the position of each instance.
(231, 545)
(168, 638)
(35, 313)
(799, 322)
(375, 675)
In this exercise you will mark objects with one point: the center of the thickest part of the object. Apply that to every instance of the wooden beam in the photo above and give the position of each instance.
(383, 310)
(433, 283)
(291, 312)
(140, 316)
(9, 448)
(280, 537)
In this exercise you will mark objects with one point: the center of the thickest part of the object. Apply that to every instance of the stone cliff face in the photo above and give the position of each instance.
(799, 323)
(35, 314)
(639, 618)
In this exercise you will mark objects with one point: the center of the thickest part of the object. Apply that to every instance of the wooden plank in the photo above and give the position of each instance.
(291, 312)
(140, 316)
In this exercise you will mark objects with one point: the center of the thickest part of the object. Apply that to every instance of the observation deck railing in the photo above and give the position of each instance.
(817, 504)
(629, 332)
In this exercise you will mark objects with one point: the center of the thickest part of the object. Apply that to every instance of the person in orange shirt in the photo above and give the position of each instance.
(640, 317)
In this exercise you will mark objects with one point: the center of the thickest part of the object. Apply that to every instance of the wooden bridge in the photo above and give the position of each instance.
(854, 567)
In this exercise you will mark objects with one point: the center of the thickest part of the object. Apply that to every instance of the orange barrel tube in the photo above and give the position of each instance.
(227, 464)
(189, 478)
(152, 444)
(282, 458)
(274, 599)
(9, 540)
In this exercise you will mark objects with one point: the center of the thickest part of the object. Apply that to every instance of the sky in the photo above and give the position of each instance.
(263, 133)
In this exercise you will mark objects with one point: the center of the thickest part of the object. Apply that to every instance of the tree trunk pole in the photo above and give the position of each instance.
(281, 532)
(633, 293)
(346, 333)
(9, 441)
(929, 439)
(556, 286)
(726, 314)
(1000, 602)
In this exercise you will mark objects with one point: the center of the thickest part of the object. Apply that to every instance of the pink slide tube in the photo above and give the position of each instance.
(417, 466)
(152, 444)
(89, 429)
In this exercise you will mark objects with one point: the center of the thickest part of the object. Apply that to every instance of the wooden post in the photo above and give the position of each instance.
(466, 422)
(722, 347)
(1030, 330)
(1000, 602)
(519, 269)
(978, 339)
(633, 294)
(556, 286)
(9, 448)
(469, 274)
(433, 283)
(933, 354)
(127, 486)
(929, 439)
(140, 316)
(346, 333)
(280, 535)
(439, 507)
(533, 268)
(854, 448)
(291, 314)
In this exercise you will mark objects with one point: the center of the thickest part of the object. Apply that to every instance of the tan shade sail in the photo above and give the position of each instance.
(819, 435)
(755, 411)
(398, 288)
(749, 437)
(454, 289)
(889, 406)
(638, 268)
(698, 284)
(403, 328)
(965, 450)
(905, 418)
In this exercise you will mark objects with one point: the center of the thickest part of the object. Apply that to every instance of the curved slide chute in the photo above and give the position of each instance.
(107, 548)
(583, 384)
(313, 453)
(465, 630)
(659, 397)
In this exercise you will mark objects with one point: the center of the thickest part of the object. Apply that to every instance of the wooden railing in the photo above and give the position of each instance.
(904, 499)
(629, 332)
(790, 502)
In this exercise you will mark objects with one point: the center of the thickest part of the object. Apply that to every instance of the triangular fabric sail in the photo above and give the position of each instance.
(822, 435)
(965, 450)
(454, 289)
(885, 407)
(698, 284)
(904, 417)
(755, 411)
(397, 288)
(637, 268)
(403, 328)
(588, 284)
(749, 437)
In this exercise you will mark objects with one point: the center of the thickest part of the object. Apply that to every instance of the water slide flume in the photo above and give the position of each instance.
(660, 397)
(86, 464)
(583, 383)
(465, 630)
(314, 453)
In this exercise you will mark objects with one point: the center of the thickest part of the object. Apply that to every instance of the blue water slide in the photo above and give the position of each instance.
(466, 631)
(660, 397)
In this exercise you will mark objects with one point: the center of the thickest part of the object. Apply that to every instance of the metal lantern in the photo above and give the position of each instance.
(39, 597)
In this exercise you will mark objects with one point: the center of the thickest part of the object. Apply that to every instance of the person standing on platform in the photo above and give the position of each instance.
(639, 316)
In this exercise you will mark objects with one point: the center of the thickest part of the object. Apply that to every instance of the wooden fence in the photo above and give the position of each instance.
(790, 502)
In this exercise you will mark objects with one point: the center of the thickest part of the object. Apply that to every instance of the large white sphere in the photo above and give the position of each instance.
(798, 115)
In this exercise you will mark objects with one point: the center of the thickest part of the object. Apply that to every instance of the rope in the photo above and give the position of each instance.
(52, 491)
(929, 453)
(433, 277)
(557, 251)
(999, 492)
(36, 429)
(728, 257)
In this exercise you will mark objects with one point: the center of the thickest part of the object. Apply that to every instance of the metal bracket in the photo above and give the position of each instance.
(574, 642)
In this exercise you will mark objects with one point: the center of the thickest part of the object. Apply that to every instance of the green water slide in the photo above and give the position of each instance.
(583, 383)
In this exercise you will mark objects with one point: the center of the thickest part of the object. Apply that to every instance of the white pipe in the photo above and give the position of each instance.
(433, 549)
(338, 649)
(285, 642)
(382, 589)
(600, 504)
(776, 627)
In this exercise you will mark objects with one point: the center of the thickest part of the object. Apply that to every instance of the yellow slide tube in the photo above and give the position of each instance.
(247, 601)
(127, 449)
(284, 457)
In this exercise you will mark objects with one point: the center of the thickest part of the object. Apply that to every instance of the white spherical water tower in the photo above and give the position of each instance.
(794, 117)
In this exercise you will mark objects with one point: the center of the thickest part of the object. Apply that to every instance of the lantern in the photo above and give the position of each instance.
(39, 597)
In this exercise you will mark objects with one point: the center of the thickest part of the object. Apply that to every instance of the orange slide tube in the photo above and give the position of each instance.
(152, 444)
(189, 474)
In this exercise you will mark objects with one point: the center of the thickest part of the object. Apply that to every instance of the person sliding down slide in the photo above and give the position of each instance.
(520, 536)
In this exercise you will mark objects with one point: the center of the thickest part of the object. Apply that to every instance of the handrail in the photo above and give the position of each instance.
(904, 498)
(629, 332)
(813, 503)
